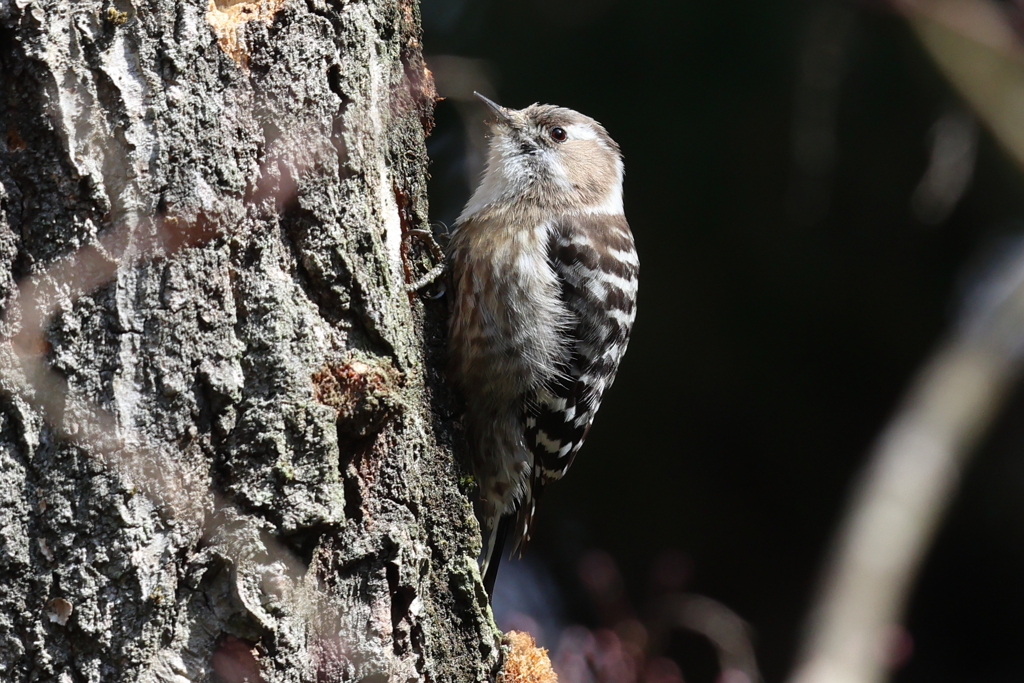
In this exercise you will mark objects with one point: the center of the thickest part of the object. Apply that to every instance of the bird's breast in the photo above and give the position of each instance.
(509, 321)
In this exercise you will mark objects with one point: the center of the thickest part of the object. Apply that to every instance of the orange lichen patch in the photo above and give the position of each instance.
(237, 661)
(14, 141)
(525, 662)
(363, 394)
(115, 17)
(228, 18)
(59, 611)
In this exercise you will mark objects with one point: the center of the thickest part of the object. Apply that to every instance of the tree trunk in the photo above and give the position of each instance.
(225, 453)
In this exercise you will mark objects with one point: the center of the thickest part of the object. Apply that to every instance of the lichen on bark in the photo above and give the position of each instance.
(225, 450)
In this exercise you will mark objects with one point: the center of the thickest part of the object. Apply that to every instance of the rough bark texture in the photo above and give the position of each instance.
(224, 450)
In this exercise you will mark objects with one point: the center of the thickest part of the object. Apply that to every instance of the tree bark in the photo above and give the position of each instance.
(225, 450)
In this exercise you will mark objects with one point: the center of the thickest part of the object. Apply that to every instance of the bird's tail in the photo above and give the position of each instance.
(524, 518)
(495, 532)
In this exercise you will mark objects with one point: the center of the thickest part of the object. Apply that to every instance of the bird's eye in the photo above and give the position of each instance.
(558, 134)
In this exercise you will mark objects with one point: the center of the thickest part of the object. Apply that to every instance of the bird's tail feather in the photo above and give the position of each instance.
(524, 518)
(496, 531)
(494, 543)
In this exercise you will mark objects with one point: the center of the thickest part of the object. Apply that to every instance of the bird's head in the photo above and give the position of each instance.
(552, 158)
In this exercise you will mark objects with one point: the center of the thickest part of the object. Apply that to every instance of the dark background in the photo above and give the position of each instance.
(784, 307)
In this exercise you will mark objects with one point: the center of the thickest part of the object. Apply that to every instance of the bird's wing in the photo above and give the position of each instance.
(597, 267)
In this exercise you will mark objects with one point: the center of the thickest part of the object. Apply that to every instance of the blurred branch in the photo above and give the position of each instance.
(975, 46)
(897, 506)
(853, 632)
(953, 151)
(825, 47)
(724, 629)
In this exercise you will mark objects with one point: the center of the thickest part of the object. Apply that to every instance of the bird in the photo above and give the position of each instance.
(544, 273)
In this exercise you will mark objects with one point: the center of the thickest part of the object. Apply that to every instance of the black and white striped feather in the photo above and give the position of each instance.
(597, 267)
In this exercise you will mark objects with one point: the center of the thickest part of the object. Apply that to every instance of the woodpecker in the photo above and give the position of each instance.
(544, 273)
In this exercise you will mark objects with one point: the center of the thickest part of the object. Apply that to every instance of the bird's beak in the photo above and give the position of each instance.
(500, 112)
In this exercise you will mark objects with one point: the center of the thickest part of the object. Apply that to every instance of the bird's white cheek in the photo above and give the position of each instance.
(558, 173)
(611, 205)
